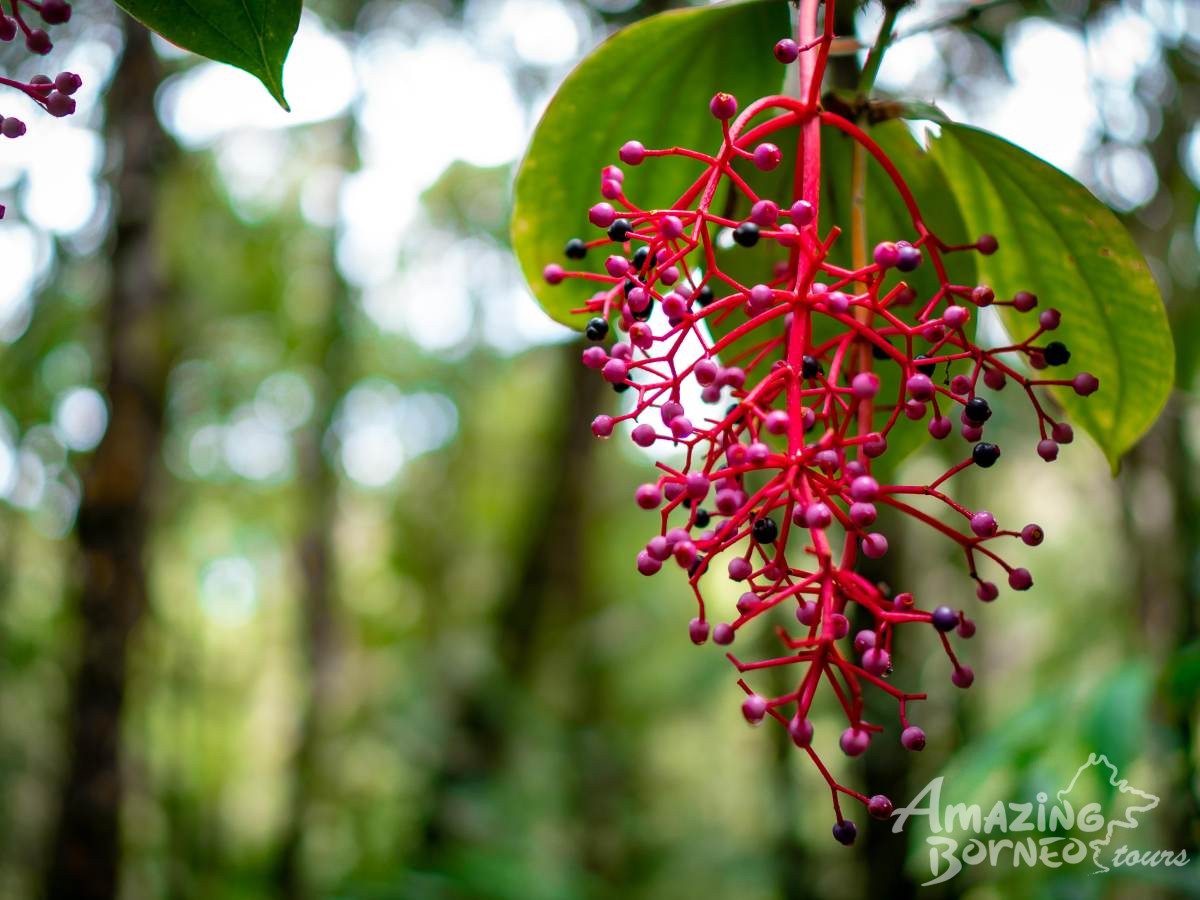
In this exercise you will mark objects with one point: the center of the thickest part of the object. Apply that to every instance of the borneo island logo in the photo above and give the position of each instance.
(1055, 833)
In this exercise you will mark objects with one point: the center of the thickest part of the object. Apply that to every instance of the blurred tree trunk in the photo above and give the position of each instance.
(318, 568)
(548, 593)
(1165, 539)
(84, 857)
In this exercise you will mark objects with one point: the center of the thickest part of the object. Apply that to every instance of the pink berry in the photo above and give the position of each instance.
(767, 157)
(602, 215)
(698, 631)
(800, 730)
(648, 496)
(754, 708)
(632, 153)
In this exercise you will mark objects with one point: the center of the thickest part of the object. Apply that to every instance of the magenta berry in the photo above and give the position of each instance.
(801, 731)
(754, 708)
(1020, 580)
(983, 523)
(854, 741)
(698, 631)
(723, 106)
(648, 496)
(913, 738)
(1032, 534)
(723, 634)
(880, 807)
(767, 157)
(786, 51)
(632, 153)
(1085, 384)
(962, 677)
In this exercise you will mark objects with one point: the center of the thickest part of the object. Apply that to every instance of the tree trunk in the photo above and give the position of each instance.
(84, 857)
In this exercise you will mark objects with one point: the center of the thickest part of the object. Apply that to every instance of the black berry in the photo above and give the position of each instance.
(619, 230)
(746, 234)
(597, 329)
(765, 530)
(1056, 354)
(576, 249)
(985, 454)
(977, 410)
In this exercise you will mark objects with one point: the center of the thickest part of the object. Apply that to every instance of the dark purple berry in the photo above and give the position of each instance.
(55, 12)
(59, 104)
(987, 244)
(8, 28)
(704, 296)
(844, 832)
(38, 42)
(576, 249)
(945, 619)
(908, 257)
(12, 127)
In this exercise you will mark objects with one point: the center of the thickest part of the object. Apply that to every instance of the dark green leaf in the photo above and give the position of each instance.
(254, 35)
(650, 82)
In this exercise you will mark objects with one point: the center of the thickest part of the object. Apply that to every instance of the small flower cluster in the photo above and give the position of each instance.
(55, 95)
(818, 365)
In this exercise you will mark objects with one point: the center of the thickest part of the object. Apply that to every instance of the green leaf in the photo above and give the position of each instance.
(1063, 244)
(253, 35)
(650, 82)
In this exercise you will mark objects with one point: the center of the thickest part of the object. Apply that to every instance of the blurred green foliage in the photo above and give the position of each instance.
(497, 705)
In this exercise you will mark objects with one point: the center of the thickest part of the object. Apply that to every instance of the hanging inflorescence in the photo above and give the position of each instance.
(818, 364)
(52, 94)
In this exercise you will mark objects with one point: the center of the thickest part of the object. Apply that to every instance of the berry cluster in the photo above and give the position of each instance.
(817, 364)
(55, 95)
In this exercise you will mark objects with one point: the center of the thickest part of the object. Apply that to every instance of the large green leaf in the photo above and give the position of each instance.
(1063, 244)
(650, 82)
(254, 35)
